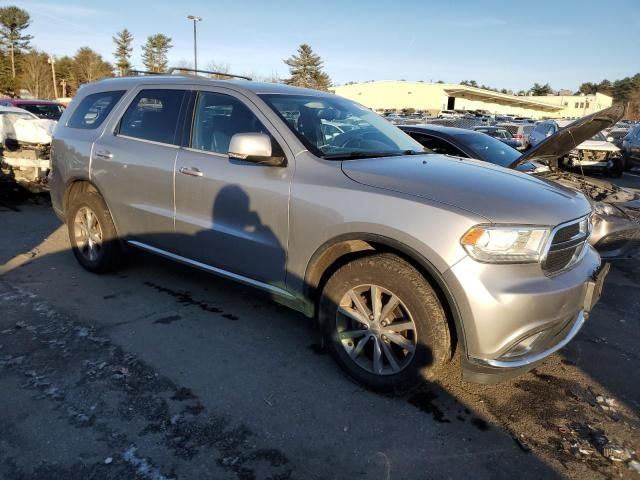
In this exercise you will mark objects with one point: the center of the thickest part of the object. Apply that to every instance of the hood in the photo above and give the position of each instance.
(489, 191)
(571, 136)
(598, 145)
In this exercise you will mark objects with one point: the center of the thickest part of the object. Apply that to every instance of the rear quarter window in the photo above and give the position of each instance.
(94, 109)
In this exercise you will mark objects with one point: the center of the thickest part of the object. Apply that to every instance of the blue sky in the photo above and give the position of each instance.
(503, 44)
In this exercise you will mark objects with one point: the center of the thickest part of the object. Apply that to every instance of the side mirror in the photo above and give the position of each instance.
(256, 148)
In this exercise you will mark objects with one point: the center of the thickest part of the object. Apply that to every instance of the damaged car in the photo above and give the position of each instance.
(25, 144)
(595, 152)
(616, 217)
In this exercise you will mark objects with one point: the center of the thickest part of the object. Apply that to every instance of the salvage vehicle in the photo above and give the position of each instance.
(616, 217)
(595, 152)
(403, 258)
(631, 147)
(25, 142)
(41, 108)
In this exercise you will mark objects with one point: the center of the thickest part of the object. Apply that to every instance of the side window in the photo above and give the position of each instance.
(437, 145)
(219, 117)
(94, 109)
(153, 115)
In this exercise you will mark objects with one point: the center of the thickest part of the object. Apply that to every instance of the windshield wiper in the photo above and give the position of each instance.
(360, 154)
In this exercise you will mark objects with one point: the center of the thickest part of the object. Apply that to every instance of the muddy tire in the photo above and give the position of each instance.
(384, 324)
(92, 234)
(618, 167)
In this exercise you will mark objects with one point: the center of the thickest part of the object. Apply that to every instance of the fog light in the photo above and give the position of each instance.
(523, 347)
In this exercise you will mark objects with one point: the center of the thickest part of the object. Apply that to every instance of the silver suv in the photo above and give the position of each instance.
(403, 258)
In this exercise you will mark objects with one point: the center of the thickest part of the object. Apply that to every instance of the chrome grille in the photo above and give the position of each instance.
(567, 243)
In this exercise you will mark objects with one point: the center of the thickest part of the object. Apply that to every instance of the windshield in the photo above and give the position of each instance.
(337, 128)
(488, 148)
(53, 112)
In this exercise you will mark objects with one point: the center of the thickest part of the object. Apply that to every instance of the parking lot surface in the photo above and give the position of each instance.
(160, 371)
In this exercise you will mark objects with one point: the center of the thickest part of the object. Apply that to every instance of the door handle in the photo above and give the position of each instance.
(193, 171)
(104, 154)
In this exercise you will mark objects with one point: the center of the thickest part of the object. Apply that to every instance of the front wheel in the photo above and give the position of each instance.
(384, 324)
(618, 167)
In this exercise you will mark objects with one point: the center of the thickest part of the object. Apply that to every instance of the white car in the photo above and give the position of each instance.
(596, 152)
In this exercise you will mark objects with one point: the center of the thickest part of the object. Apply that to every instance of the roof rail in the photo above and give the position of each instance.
(142, 72)
(208, 72)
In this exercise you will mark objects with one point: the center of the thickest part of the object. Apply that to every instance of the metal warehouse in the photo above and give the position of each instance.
(397, 95)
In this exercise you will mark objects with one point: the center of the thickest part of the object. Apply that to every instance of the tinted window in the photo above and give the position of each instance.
(94, 109)
(437, 145)
(488, 148)
(153, 115)
(219, 117)
(44, 110)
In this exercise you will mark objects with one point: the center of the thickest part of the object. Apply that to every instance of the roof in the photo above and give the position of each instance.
(238, 85)
(427, 127)
(474, 93)
(33, 101)
(15, 110)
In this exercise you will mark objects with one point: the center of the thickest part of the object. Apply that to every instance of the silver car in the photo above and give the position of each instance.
(403, 258)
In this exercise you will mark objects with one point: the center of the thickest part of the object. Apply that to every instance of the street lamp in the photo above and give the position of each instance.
(195, 41)
(52, 62)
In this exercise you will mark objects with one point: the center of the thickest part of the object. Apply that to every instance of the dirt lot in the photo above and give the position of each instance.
(162, 372)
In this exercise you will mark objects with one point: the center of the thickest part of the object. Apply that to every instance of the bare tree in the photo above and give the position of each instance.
(35, 75)
(88, 66)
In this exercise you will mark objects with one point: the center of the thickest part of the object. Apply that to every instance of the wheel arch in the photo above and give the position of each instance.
(340, 250)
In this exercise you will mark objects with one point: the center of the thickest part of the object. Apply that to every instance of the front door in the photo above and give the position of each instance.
(231, 214)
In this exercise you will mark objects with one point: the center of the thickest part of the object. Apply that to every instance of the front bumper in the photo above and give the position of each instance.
(514, 316)
(615, 236)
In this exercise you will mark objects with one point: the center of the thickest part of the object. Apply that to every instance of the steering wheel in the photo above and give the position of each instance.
(362, 138)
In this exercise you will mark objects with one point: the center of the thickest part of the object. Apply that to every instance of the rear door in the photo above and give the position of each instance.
(231, 214)
(133, 164)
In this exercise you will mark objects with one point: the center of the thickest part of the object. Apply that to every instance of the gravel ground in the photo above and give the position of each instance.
(160, 371)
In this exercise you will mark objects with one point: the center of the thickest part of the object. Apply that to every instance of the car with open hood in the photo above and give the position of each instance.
(402, 257)
(616, 218)
(594, 152)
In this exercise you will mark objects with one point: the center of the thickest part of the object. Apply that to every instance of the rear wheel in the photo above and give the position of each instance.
(93, 236)
(384, 324)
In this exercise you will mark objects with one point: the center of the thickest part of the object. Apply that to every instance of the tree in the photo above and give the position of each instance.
(219, 67)
(13, 22)
(306, 71)
(538, 89)
(35, 74)
(154, 52)
(7, 82)
(588, 88)
(469, 83)
(123, 41)
(88, 66)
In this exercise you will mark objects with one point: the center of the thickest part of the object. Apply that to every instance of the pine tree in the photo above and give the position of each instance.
(123, 41)
(13, 22)
(154, 52)
(306, 70)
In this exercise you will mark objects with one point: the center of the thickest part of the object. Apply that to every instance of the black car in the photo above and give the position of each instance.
(631, 147)
(616, 218)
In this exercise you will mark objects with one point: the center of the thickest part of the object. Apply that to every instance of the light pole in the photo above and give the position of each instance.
(195, 41)
(52, 61)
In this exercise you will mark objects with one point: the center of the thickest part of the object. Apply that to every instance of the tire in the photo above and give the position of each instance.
(628, 163)
(418, 304)
(107, 254)
(618, 167)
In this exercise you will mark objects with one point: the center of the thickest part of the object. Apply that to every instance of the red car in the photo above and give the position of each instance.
(41, 108)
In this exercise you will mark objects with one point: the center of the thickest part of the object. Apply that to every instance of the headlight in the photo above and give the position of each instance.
(505, 243)
(602, 208)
